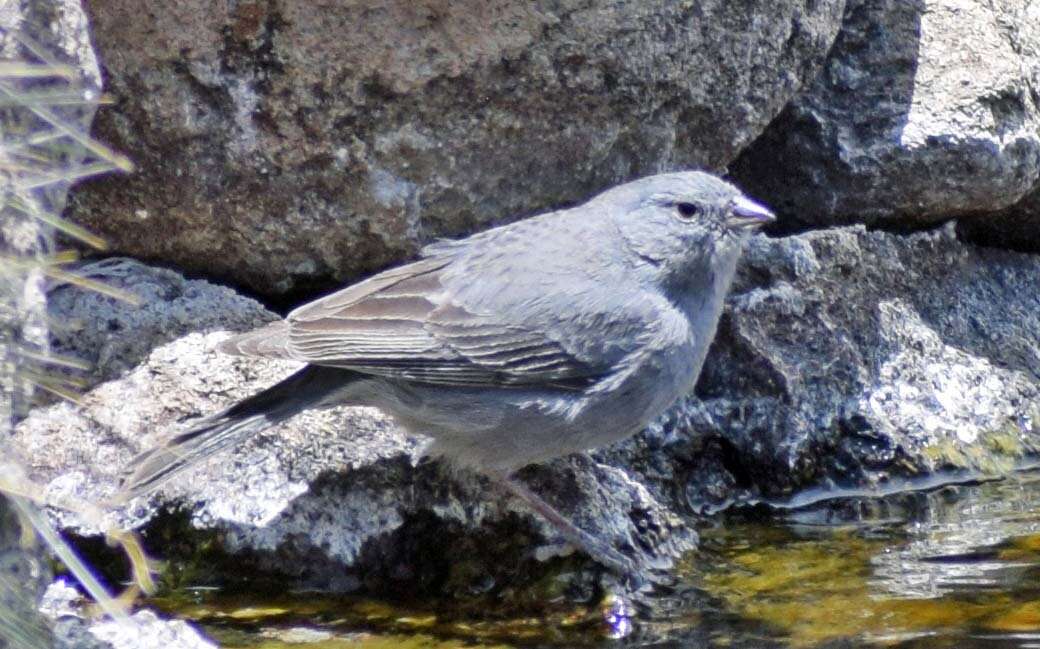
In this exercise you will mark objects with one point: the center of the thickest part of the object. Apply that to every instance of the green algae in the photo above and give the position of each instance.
(257, 620)
(361, 640)
(862, 582)
(813, 590)
(995, 452)
(931, 570)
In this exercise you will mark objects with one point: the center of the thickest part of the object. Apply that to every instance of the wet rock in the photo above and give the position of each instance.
(288, 143)
(332, 499)
(924, 110)
(145, 630)
(149, 631)
(862, 360)
(847, 360)
(112, 336)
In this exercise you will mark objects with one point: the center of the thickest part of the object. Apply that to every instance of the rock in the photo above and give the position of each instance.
(847, 361)
(925, 110)
(855, 360)
(149, 631)
(331, 499)
(113, 336)
(145, 630)
(289, 145)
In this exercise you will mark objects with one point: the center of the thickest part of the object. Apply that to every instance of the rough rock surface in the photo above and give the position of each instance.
(1014, 228)
(73, 629)
(924, 110)
(286, 143)
(847, 359)
(334, 498)
(114, 336)
(851, 360)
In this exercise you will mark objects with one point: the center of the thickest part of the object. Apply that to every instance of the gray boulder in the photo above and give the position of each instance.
(332, 499)
(854, 361)
(113, 336)
(1015, 228)
(286, 144)
(924, 110)
(848, 362)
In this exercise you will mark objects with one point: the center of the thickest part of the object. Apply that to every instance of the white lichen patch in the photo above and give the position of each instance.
(268, 488)
(935, 393)
(338, 521)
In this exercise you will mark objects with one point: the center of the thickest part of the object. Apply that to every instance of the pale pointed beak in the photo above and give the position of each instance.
(746, 213)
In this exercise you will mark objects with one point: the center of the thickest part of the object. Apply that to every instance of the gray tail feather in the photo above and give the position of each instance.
(305, 389)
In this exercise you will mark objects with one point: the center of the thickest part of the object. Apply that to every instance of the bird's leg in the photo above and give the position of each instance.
(601, 552)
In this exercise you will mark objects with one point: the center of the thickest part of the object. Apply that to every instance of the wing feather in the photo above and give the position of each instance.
(403, 323)
(270, 341)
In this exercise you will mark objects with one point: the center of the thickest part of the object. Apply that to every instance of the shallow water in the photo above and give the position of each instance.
(957, 566)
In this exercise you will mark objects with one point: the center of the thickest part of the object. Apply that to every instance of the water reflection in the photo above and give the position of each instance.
(952, 567)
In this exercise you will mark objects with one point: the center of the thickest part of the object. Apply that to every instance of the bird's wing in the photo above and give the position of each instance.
(403, 323)
(270, 341)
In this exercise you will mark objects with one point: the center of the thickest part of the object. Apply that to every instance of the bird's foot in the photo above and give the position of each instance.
(635, 577)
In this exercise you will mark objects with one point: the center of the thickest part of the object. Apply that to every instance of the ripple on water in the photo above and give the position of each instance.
(951, 567)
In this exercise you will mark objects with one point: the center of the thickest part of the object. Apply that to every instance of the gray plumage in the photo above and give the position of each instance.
(563, 332)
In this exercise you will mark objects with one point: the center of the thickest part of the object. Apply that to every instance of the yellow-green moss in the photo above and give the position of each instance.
(237, 620)
(812, 590)
(994, 452)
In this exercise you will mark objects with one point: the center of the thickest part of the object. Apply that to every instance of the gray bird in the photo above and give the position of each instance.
(560, 333)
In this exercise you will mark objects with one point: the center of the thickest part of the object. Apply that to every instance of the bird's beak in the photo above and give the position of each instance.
(747, 214)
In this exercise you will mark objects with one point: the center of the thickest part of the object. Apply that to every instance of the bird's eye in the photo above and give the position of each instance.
(687, 210)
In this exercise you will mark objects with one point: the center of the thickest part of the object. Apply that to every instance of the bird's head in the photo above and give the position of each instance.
(678, 223)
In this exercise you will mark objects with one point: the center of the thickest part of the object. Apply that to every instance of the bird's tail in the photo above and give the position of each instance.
(305, 389)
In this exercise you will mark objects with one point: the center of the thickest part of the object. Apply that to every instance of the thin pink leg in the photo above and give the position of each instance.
(604, 554)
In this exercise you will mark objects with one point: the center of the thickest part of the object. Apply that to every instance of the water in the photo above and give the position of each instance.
(957, 566)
